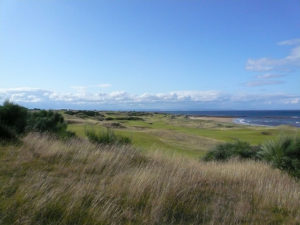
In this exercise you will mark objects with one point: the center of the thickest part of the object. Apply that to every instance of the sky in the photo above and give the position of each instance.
(150, 54)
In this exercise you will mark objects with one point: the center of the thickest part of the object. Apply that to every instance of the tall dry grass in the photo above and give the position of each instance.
(47, 181)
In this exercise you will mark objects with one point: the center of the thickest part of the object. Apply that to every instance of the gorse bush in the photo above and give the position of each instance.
(239, 149)
(106, 137)
(283, 153)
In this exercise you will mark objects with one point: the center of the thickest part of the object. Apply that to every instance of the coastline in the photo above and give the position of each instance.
(263, 121)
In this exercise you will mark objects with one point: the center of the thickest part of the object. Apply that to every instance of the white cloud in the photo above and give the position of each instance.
(180, 96)
(103, 85)
(24, 94)
(122, 99)
(292, 101)
(265, 79)
(271, 64)
(257, 83)
(290, 42)
(269, 76)
(267, 99)
(262, 64)
(90, 87)
(277, 67)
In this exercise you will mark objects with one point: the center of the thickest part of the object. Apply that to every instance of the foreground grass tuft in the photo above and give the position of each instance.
(283, 153)
(47, 181)
(106, 137)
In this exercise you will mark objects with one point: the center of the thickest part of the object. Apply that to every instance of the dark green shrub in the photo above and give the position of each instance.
(70, 112)
(283, 153)
(124, 118)
(238, 149)
(90, 113)
(133, 113)
(129, 118)
(266, 133)
(124, 140)
(46, 121)
(83, 113)
(6, 134)
(15, 120)
(13, 117)
(106, 137)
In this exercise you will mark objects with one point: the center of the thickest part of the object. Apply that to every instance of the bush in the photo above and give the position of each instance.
(129, 118)
(283, 153)
(6, 134)
(106, 137)
(133, 113)
(15, 120)
(14, 117)
(124, 118)
(83, 113)
(238, 149)
(48, 121)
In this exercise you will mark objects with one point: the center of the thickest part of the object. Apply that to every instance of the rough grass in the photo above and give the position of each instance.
(46, 181)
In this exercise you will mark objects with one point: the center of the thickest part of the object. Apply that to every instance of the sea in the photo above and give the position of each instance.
(252, 117)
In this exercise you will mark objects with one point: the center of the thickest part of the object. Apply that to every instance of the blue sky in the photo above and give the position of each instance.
(162, 55)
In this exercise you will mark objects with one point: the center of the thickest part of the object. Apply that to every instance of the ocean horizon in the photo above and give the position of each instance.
(251, 117)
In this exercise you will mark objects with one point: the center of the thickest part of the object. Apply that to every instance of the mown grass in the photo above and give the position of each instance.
(46, 181)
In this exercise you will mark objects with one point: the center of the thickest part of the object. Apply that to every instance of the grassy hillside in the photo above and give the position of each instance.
(174, 134)
(46, 181)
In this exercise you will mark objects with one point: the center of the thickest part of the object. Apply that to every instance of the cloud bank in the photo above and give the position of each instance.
(183, 100)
